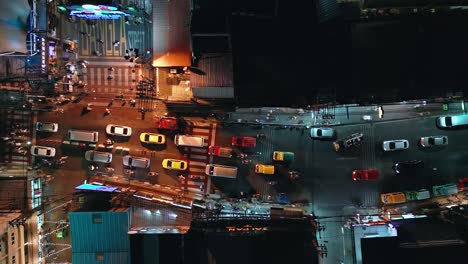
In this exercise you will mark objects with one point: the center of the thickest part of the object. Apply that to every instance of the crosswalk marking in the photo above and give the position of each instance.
(198, 157)
(202, 131)
(196, 170)
(122, 76)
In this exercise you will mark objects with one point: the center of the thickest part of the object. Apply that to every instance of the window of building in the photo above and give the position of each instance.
(13, 259)
(97, 219)
(12, 238)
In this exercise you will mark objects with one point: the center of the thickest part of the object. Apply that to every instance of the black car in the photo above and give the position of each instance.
(407, 166)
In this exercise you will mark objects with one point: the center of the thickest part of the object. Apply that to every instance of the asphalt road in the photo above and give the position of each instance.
(61, 186)
(326, 175)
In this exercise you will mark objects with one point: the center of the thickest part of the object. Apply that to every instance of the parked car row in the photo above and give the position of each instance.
(402, 197)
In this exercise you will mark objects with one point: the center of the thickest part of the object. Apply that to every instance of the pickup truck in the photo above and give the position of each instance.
(220, 151)
(354, 140)
(283, 156)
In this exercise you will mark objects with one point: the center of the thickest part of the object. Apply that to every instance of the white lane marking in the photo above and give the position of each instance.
(213, 134)
(98, 73)
(213, 141)
(347, 158)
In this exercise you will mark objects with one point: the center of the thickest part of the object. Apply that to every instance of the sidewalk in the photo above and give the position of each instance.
(339, 115)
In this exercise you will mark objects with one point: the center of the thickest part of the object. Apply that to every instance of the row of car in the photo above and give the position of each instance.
(423, 194)
(398, 167)
(111, 129)
(134, 161)
(425, 142)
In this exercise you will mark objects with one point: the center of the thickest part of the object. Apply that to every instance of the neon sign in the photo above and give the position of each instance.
(96, 11)
(246, 228)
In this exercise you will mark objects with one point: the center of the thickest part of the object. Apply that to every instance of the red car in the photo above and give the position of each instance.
(365, 175)
(220, 151)
(168, 123)
(247, 142)
(462, 184)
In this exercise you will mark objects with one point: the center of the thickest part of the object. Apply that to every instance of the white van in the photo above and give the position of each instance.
(85, 136)
(189, 141)
(221, 171)
(452, 121)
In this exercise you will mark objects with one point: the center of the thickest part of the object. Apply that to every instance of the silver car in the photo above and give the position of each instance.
(396, 144)
(322, 132)
(117, 130)
(430, 141)
(98, 156)
(46, 127)
(136, 162)
(43, 151)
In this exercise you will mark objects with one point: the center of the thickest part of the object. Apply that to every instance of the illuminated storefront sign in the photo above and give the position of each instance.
(96, 11)
(36, 193)
(246, 228)
(43, 55)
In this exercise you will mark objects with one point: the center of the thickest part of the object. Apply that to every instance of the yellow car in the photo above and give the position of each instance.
(265, 169)
(173, 164)
(151, 138)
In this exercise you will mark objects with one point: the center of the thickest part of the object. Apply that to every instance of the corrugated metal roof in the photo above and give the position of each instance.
(218, 69)
(100, 231)
(107, 257)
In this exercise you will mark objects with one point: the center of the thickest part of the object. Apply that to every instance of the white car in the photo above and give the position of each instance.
(430, 141)
(322, 132)
(46, 127)
(396, 144)
(454, 121)
(117, 130)
(42, 151)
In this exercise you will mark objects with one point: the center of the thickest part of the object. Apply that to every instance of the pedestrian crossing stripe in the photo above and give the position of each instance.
(196, 169)
(122, 76)
(202, 131)
(197, 163)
